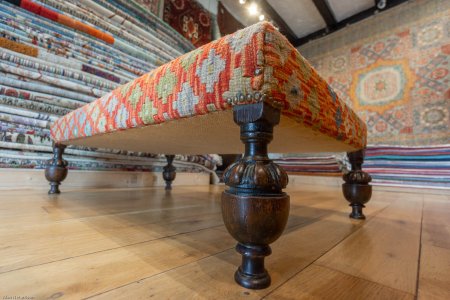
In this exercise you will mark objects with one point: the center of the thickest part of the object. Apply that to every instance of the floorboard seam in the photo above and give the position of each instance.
(136, 212)
(334, 246)
(109, 249)
(430, 244)
(157, 274)
(364, 279)
(420, 251)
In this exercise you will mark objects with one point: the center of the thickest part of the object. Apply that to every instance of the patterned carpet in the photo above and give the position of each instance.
(190, 19)
(393, 69)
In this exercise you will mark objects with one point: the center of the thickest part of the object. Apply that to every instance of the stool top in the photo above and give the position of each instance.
(184, 105)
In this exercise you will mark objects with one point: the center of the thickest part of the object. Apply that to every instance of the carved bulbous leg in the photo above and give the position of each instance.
(254, 208)
(169, 172)
(356, 188)
(56, 170)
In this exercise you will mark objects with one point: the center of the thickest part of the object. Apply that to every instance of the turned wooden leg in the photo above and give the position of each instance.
(356, 188)
(56, 170)
(169, 172)
(254, 208)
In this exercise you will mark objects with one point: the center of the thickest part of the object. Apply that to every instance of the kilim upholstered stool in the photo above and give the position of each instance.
(254, 78)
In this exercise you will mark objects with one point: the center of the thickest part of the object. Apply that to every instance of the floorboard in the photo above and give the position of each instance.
(143, 243)
(317, 282)
(386, 249)
(434, 272)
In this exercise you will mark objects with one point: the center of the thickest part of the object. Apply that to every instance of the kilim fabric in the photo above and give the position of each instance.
(39, 97)
(70, 68)
(128, 35)
(254, 63)
(100, 73)
(65, 20)
(190, 19)
(150, 5)
(127, 27)
(138, 20)
(394, 71)
(18, 47)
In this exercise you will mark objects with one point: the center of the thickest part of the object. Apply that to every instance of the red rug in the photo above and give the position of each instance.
(190, 19)
(227, 23)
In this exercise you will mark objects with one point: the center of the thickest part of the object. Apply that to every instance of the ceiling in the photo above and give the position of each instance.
(304, 20)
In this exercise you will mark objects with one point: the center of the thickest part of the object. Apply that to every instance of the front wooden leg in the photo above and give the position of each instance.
(56, 170)
(254, 208)
(169, 172)
(356, 188)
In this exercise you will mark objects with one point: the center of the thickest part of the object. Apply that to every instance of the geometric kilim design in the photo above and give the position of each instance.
(254, 61)
(396, 78)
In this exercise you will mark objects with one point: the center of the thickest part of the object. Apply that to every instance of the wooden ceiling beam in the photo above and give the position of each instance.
(325, 12)
(351, 20)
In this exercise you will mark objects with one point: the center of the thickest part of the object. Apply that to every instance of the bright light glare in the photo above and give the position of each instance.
(242, 1)
(253, 9)
(261, 17)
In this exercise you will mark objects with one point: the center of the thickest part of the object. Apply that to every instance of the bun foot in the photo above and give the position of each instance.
(54, 189)
(252, 274)
(357, 212)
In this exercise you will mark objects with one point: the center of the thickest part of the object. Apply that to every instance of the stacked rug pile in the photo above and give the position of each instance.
(409, 166)
(57, 55)
(325, 164)
(405, 166)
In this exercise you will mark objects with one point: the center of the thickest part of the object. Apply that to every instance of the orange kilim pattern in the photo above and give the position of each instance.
(254, 64)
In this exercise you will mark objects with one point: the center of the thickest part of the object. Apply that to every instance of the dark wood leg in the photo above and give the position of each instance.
(356, 188)
(169, 172)
(56, 170)
(254, 208)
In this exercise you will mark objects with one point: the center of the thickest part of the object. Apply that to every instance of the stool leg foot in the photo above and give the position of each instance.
(251, 273)
(56, 170)
(357, 211)
(356, 188)
(169, 172)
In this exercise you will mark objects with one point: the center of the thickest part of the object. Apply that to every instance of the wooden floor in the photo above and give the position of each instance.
(144, 243)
